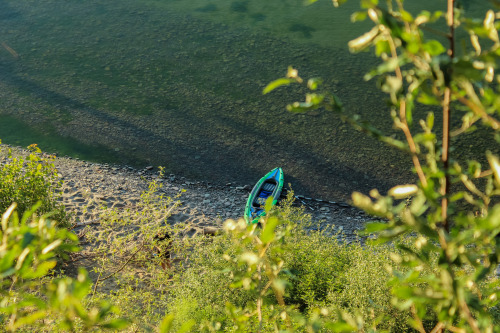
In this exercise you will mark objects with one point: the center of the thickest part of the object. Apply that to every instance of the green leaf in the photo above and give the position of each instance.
(437, 15)
(434, 47)
(187, 326)
(375, 226)
(277, 83)
(269, 204)
(457, 196)
(481, 273)
(427, 99)
(389, 65)
(7, 272)
(116, 324)
(268, 232)
(340, 327)
(382, 46)
(406, 16)
(423, 17)
(41, 270)
(430, 120)
(465, 70)
(313, 83)
(29, 319)
(413, 47)
(299, 107)
(358, 16)
(106, 307)
(27, 238)
(366, 4)
(314, 99)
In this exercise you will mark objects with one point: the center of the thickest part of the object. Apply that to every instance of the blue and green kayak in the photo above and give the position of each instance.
(268, 186)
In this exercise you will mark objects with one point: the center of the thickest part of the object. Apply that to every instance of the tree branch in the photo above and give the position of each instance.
(403, 125)
(445, 186)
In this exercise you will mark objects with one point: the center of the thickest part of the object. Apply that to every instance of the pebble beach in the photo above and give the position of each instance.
(87, 186)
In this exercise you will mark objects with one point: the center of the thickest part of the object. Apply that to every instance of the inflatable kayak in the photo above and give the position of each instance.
(270, 185)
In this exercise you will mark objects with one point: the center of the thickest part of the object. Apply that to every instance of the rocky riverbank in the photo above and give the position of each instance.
(87, 187)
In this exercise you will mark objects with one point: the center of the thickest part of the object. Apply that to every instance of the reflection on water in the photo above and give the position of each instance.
(178, 83)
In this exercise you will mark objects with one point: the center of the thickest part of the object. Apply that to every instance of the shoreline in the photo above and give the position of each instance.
(88, 187)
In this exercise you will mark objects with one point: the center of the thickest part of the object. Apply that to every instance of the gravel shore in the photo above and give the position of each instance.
(87, 187)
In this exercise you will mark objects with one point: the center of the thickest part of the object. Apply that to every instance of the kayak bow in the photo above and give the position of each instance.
(268, 186)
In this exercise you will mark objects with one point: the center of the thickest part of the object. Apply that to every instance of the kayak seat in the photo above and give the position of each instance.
(265, 192)
(269, 187)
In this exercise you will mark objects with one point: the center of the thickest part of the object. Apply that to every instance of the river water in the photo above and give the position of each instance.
(178, 84)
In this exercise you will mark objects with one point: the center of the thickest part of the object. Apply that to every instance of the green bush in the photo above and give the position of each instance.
(31, 295)
(27, 180)
(317, 271)
(127, 264)
(284, 276)
(202, 289)
(339, 277)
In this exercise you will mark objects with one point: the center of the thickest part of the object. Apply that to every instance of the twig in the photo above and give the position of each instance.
(95, 286)
(479, 111)
(400, 6)
(473, 189)
(403, 123)
(434, 31)
(455, 329)
(82, 233)
(468, 316)
(438, 328)
(418, 321)
(10, 50)
(411, 143)
(123, 266)
(445, 187)
(81, 224)
(119, 269)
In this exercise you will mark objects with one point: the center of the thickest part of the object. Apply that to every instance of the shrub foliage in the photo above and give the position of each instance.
(453, 208)
(27, 180)
(29, 292)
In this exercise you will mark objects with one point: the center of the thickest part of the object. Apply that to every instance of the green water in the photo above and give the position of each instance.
(16, 132)
(178, 84)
